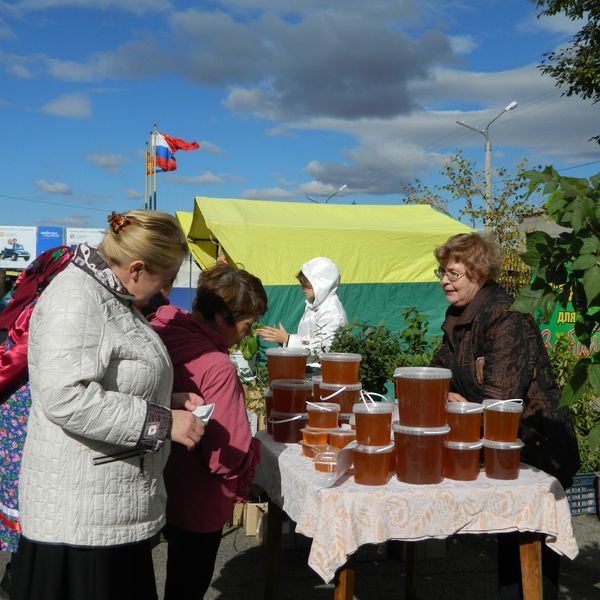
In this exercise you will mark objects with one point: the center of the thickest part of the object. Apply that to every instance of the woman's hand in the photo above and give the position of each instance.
(186, 428)
(454, 397)
(273, 334)
(187, 400)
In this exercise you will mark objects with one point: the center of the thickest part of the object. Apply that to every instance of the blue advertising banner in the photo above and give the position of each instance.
(48, 237)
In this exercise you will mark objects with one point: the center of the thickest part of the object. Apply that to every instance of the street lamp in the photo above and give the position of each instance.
(336, 192)
(488, 151)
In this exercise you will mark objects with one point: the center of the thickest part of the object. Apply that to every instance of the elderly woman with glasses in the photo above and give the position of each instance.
(494, 352)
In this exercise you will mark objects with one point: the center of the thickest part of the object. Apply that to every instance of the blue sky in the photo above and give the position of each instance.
(286, 102)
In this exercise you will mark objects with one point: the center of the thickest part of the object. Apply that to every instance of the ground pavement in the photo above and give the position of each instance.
(466, 572)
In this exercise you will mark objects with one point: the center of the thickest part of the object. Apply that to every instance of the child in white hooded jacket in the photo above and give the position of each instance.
(323, 313)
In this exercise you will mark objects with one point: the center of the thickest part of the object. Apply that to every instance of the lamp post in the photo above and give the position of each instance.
(488, 151)
(336, 192)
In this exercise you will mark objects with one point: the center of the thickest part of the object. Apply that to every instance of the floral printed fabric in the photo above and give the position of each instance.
(14, 413)
(341, 518)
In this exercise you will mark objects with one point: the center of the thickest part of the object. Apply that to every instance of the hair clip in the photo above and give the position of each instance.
(118, 222)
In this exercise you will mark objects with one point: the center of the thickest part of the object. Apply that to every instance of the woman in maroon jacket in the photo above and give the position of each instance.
(204, 484)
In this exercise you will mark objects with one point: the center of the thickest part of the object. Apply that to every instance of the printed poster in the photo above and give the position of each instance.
(17, 246)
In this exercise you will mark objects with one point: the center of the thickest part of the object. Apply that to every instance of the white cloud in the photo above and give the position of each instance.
(71, 106)
(110, 162)
(69, 221)
(210, 147)
(138, 7)
(463, 44)
(20, 71)
(55, 188)
(132, 194)
(556, 24)
(274, 193)
(204, 179)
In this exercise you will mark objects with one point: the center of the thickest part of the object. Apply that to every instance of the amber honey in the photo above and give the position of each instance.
(286, 363)
(340, 438)
(419, 453)
(287, 427)
(373, 423)
(323, 415)
(422, 393)
(502, 459)
(464, 419)
(372, 464)
(290, 395)
(501, 420)
(314, 436)
(461, 460)
(344, 395)
(340, 367)
(310, 450)
(316, 382)
(326, 461)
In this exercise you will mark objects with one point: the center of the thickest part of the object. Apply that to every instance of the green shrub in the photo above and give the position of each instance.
(382, 350)
(585, 418)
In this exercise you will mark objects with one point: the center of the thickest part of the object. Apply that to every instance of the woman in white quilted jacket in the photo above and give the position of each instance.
(323, 312)
(91, 492)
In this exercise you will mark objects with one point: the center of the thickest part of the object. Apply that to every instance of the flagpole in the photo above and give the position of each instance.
(146, 165)
(154, 163)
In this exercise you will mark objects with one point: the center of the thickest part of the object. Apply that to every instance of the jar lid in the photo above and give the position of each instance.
(512, 405)
(464, 445)
(329, 455)
(341, 356)
(464, 407)
(287, 352)
(316, 378)
(351, 387)
(296, 384)
(516, 445)
(422, 373)
(399, 428)
(373, 407)
(322, 407)
(342, 432)
(374, 449)
(283, 415)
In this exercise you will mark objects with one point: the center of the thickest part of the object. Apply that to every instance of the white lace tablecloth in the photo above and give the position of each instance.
(341, 518)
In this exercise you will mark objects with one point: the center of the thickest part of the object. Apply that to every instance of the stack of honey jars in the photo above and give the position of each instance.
(331, 390)
(501, 446)
(464, 442)
(340, 381)
(374, 454)
(421, 430)
(289, 392)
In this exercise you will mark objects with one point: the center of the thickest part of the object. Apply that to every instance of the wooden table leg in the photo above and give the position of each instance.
(411, 570)
(344, 582)
(274, 522)
(530, 551)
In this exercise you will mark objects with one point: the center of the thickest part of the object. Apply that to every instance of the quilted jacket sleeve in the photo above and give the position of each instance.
(70, 354)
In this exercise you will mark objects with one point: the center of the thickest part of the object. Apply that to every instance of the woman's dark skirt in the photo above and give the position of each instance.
(59, 572)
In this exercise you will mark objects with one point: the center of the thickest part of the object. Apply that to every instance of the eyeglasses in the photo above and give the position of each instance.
(451, 275)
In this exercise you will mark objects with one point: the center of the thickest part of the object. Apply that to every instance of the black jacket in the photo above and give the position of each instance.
(494, 352)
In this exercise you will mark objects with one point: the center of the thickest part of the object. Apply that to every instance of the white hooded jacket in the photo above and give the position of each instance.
(325, 314)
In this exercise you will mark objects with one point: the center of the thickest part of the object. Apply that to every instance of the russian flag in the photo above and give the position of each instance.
(165, 148)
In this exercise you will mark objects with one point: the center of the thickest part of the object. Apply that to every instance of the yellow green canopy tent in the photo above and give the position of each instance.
(385, 253)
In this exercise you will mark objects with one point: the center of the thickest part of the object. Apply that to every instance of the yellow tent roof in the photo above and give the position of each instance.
(370, 244)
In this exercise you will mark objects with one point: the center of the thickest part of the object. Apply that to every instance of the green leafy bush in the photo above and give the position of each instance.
(382, 350)
(563, 362)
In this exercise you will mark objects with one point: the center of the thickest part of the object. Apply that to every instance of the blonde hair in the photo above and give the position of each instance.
(153, 237)
(478, 252)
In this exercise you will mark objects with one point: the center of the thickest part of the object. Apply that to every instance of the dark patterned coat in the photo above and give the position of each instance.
(494, 352)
